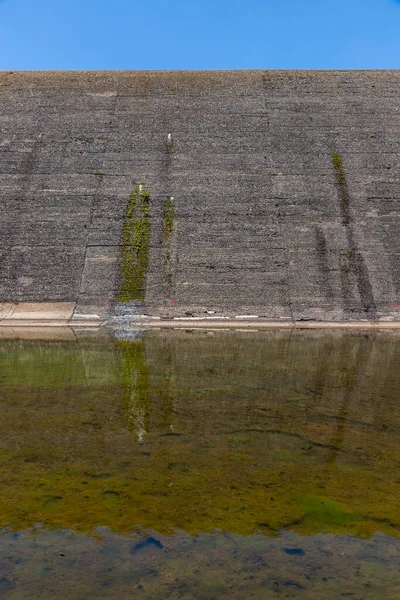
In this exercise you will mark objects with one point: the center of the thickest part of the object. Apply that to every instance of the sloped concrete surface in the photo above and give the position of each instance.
(260, 226)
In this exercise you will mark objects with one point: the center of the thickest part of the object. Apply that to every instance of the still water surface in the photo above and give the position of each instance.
(201, 465)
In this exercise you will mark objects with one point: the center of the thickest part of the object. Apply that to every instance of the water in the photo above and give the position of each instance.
(200, 465)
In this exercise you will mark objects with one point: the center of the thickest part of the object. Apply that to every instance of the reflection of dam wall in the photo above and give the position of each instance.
(270, 193)
(246, 431)
(340, 381)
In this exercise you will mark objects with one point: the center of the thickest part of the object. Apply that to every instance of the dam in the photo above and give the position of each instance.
(250, 450)
(187, 195)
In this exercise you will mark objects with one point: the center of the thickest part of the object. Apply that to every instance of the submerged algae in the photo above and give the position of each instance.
(254, 437)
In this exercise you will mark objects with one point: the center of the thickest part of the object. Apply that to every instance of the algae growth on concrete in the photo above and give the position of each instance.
(135, 246)
(201, 465)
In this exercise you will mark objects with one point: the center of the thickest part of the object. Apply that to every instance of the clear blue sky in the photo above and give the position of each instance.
(208, 34)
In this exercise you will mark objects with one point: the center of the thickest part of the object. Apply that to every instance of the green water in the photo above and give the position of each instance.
(201, 465)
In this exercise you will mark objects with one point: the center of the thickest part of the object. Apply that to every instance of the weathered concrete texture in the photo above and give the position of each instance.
(263, 223)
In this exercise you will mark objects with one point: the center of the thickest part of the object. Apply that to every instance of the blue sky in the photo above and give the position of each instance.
(210, 34)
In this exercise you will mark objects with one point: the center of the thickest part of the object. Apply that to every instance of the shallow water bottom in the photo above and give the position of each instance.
(61, 564)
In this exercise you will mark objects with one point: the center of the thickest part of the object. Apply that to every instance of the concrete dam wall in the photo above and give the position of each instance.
(184, 194)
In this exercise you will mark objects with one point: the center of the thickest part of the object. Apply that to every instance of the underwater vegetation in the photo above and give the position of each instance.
(181, 431)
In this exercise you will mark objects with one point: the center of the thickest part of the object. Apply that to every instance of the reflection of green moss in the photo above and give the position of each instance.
(222, 448)
(135, 249)
(136, 397)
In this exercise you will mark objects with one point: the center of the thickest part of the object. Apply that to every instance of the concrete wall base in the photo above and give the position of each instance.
(62, 314)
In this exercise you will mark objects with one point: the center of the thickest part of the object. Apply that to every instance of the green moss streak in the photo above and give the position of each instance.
(135, 250)
(100, 175)
(136, 395)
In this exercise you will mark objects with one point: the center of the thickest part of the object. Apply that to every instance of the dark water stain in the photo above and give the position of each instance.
(50, 501)
(150, 541)
(293, 584)
(294, 551)
(353, 270)
(31, 459)
(323, 264)
(179, 466)
(97, 475)
(6, 585)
